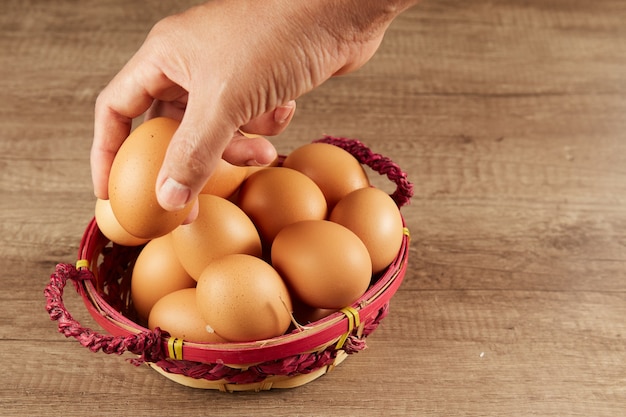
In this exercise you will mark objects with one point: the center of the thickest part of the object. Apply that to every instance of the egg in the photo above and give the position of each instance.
(305, 314)
(375, 218)
(242, 298)
(221, 228)
(275, 197)
(132, 181)
(251, 169)
(225, 179)
(111, 228)
(177, 313)
(324, 263)
(157, 272)
(333, 169)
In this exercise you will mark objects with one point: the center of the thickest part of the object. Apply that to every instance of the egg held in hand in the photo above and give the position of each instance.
(132, 181)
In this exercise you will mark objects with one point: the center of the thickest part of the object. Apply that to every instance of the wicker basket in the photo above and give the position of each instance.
(102, 278)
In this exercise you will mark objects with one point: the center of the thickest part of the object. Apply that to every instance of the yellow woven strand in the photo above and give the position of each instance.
(82, 263)
(341, 341)
(170, 347)
(353, 321)
(355, 314)
(406, 231)
(175, 348)
(348, 312)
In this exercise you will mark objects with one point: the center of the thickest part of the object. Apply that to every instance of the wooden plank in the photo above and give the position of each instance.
(507, 116)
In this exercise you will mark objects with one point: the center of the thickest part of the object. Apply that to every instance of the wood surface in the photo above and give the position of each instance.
(509, 117)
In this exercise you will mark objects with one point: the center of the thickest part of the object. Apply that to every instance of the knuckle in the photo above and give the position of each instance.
(190, 159)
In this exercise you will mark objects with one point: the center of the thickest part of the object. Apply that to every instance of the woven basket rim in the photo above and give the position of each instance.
(312, 337)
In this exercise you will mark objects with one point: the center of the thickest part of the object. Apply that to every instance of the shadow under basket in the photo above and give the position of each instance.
(102, 277)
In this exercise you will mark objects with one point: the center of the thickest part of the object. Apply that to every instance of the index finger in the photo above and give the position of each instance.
(129, 94)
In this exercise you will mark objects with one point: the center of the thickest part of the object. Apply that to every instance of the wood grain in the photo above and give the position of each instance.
(508, 116)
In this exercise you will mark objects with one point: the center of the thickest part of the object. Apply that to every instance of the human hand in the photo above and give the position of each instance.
(227, 65)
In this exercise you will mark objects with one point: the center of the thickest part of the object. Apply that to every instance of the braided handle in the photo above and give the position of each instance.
(379, 163)
(146, 344)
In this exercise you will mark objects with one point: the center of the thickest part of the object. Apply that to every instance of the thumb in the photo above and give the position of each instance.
(192, 154)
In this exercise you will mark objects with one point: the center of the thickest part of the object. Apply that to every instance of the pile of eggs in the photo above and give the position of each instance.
(270, 246)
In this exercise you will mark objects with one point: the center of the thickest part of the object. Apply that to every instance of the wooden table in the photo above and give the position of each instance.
(508, 116)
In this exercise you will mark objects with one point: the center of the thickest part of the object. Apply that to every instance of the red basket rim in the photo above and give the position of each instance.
(311, 338)
(299, 341)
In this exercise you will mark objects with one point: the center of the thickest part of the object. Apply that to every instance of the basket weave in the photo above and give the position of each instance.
(102, 278)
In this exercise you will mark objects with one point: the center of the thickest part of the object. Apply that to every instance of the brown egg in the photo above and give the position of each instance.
(111, 228)
(243, 299)
(275, 197)
(177, 313)
(132, 181)
(333, 169)
(225, 180)
(221, 228)
(157, 272)
(305, 314)
(251, 169)
(325, 264)
(375, 218)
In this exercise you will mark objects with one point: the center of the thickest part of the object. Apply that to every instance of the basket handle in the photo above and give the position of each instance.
(145, 344)
(379, 163)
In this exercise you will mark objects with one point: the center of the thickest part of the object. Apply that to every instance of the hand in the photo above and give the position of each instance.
(226, 65)
(241, 150)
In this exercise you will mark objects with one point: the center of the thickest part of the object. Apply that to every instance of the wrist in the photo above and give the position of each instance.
(357, 26)
(369, 15)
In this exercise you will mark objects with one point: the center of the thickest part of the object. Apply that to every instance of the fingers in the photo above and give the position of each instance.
(109, 133)
(128, 95)
(255, 150)
(273, 122)
(193, 214)
(191, 157)
(172, 109)
(194, 150)
(252, 150)
(198, 143)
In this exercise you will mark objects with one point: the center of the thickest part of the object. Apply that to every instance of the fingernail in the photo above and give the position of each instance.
(249, 135)
(254, 163)
(173, 195)
(282, 113)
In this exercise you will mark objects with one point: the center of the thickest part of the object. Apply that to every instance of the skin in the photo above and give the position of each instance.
(227, 65)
